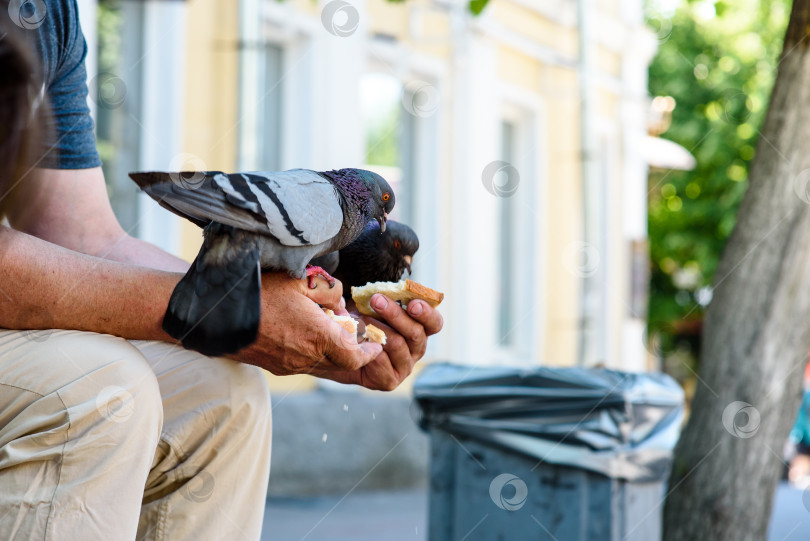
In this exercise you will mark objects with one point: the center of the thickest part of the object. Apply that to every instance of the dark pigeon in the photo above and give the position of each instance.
(257, 221)
(374, 256)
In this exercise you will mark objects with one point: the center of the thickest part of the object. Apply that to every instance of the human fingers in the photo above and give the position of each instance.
(380, 374)
(342, 350)
(430, 318)
(397, 351)
(400, 321)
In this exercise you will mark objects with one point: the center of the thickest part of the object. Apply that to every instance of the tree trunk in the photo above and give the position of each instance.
(755, 337)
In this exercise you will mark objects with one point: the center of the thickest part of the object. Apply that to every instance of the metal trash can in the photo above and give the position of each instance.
(563, 454)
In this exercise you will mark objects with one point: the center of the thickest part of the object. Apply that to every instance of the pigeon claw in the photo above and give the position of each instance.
(315, 271)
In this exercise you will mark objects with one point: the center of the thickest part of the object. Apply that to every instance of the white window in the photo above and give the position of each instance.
(385, 127)
(519, 281)
(138, 96)
(400, 126)
(507, 257)
(114, 95)
(260, 107)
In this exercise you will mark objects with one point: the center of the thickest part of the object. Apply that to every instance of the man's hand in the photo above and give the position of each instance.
(406, 340)
(297, 337)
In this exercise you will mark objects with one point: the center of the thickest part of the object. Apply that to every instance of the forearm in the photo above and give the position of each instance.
(45, 286)
(134, 251)
(70, 208)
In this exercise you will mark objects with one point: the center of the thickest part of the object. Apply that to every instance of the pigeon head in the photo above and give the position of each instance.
(382, 196)
(401, 242)
(374, 256)
(367, 192)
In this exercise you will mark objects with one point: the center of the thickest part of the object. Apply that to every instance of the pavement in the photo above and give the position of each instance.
(358, 516)
(790, 520)
(402, 516)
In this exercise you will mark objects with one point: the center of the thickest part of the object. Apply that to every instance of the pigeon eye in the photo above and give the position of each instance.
(386, 197)
(397, 244)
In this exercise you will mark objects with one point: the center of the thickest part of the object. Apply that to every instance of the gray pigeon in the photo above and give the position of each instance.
(253, 221)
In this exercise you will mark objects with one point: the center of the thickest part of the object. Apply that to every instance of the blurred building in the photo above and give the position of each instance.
(514, 140)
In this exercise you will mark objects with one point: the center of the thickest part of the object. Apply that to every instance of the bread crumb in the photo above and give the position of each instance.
(374, 334)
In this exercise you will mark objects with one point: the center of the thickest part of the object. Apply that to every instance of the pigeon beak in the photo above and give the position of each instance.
(408, 260)
(382, 219)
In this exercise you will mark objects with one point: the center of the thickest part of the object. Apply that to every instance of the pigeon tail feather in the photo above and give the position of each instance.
(215, 308)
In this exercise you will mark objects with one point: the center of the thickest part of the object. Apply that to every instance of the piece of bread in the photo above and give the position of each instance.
(347, 322)
(374, 334)
(404, 291)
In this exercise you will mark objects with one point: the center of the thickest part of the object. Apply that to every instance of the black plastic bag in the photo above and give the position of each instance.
(622, 425)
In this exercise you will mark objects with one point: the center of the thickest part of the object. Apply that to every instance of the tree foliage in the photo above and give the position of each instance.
(718, 60)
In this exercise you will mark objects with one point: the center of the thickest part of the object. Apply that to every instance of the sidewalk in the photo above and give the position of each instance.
(360, 516)
(402, 515)
(790, 520)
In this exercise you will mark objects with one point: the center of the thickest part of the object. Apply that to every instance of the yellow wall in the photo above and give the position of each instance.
(211, 93)
(608, 62)
(390, 19)
(529, 25)
(563, 216)
(558, 88)
(417, 24)
(519, 69)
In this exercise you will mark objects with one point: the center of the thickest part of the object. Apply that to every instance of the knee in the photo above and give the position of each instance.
(228, 398)
(81, 389)
(118, 392)
(128, 394)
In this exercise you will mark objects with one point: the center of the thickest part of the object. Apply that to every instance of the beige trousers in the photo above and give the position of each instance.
(101, 438)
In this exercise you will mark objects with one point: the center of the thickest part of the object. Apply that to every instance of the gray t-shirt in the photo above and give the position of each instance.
(62, 49)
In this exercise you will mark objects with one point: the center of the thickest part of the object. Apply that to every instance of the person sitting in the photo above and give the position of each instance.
(108, 429)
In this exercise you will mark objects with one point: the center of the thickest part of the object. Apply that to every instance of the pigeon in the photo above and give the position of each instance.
(374, 256)
(257, 221)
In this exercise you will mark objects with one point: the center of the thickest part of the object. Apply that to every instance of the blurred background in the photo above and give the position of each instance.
(572, 168)
(520, 162)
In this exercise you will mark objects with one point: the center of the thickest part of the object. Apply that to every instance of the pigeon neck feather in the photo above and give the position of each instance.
(354, 195)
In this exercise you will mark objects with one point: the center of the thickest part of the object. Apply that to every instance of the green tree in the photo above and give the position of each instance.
(718, 61)
(727, 461)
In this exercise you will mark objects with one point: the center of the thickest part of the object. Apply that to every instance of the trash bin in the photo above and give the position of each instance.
(563, 454)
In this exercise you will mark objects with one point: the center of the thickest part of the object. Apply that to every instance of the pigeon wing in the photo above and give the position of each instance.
(300, 206)
(196, 197)
(297, 207)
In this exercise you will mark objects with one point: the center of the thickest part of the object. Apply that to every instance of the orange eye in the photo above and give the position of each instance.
(386, 197)
(397, 245)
